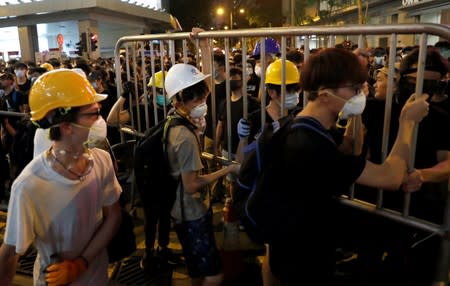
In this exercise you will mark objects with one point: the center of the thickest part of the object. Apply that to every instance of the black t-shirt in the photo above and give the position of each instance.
(309, 174)
(221, 94)
(24, 90)
(237, 108)
(373, 120)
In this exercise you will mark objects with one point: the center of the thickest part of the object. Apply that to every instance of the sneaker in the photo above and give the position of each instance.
(168, 255)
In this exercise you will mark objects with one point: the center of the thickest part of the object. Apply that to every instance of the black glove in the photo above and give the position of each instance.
(128, 88)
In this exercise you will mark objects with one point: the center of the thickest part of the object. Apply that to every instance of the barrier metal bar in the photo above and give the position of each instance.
(228, 97)
(213, 99)
(283, 76)
(15, 114)
(330, 32)
(144, 85)
(435, 29)
(244, 77)
(388, 109)
(305, 58)
(262, 86)
(419, 89)
(152, 63)
(136, 90)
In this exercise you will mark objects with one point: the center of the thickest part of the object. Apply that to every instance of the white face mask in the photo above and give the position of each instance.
(97, 132)
(249, 70)
(291, 100)
(354, 106)
(199, 111)
(258, 70)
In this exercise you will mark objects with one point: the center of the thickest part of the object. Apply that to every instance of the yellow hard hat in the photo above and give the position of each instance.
(47, 66)
(159, 82)
(60, 88)
(273, 73)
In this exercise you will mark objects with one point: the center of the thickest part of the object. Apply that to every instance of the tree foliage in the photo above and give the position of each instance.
(263, 13)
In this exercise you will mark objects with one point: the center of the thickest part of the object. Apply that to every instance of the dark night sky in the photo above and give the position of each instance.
(192, 13)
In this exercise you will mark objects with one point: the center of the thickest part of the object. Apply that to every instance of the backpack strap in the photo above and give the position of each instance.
(314, 125)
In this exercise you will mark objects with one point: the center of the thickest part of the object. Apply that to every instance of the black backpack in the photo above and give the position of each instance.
(151, 164)
(259, 207)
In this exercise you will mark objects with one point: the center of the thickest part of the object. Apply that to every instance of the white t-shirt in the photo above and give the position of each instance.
(41, 141)
(59, 215)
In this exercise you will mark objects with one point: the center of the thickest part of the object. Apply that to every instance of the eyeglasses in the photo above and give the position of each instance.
(94, 113)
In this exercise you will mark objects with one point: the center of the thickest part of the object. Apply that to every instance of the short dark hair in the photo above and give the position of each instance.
(332, 68)
(96, 75)
(235, 71)
(295, 56)
(7, 75)
(219, 58)
(20, 65)
(434, 62)
(193, 92)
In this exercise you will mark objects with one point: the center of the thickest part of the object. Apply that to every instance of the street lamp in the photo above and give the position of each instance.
(221, 11)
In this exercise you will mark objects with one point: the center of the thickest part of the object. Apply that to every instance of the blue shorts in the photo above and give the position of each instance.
(199, 246)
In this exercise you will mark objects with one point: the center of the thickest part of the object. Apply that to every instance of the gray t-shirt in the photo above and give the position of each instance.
(184, 156)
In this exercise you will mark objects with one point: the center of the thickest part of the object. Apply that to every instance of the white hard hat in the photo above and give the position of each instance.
(181, 76)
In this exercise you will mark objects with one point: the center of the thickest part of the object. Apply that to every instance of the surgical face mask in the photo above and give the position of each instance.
(258, 70)
(354, 106)
(160, 99)
(291, 100)
(94, 85)
(20, 73)
(199, 111)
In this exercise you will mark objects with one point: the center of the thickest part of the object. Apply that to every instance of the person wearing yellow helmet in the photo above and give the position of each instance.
(250, 127)
(70, 188)
(122, 110)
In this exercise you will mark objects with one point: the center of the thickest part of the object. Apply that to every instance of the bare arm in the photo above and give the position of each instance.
(205, 51)
(193, 181)
(8, 262)
(435, 174)
(219, 132)
(438, 172)
(391, 173)
(117, 115)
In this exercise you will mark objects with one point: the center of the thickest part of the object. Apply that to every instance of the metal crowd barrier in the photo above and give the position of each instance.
(161, 45)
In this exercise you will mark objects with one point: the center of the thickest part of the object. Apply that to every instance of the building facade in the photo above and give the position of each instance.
(41, 26)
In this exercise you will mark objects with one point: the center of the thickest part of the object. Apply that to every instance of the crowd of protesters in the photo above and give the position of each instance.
(368, 81)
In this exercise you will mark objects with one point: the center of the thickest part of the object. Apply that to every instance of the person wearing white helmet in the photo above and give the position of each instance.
(66, 198)
(187, 90)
